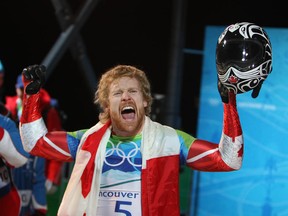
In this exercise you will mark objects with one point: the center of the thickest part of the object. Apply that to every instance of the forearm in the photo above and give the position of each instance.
(225, 156)
(231, 143)
(32, 126)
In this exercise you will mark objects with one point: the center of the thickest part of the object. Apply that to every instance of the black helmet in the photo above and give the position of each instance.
(243, 57)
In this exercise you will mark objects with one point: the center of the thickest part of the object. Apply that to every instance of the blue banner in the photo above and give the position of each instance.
(260, 187)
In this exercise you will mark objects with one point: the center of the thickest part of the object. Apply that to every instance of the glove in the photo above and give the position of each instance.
(34, 75)
(223, 91)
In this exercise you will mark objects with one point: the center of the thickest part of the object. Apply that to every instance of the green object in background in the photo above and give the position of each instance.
(185, 181)
(54, 200)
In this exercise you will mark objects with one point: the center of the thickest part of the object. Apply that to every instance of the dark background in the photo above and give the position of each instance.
(133, 32)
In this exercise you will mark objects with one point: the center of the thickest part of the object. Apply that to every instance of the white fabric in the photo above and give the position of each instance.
(31, 132)
(9, 151)
(229, 150)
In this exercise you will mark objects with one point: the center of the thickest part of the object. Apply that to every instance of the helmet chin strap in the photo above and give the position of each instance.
(255, 91)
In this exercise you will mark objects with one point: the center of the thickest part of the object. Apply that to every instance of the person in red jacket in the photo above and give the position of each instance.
(126, 163)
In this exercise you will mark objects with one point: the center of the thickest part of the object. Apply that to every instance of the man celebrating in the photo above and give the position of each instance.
(126, 163)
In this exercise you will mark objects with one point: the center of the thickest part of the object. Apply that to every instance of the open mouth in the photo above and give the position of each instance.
(128, 113)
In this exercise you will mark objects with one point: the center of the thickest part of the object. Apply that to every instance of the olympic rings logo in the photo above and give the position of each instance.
(115, 149)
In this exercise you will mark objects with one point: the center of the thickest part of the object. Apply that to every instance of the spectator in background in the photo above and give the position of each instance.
(51, 168)
(52, 121)
(13, 161)
(12, 155)
(29, 179)
(30, 182)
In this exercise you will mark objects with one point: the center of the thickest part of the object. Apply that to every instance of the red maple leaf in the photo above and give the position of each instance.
(233, 79)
